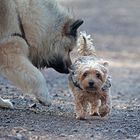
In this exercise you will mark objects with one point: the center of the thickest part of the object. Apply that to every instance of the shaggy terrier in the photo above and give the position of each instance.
(89, 81)
(34, 34)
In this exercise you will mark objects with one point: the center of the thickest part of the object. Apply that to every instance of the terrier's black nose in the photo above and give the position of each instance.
(91, 83)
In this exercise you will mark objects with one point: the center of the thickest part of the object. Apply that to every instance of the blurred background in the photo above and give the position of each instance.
(120, 17)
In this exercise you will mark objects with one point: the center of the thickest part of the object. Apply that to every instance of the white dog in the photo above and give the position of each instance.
(34, 34)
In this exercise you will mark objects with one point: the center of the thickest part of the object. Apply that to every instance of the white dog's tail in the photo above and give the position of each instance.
(85, 45)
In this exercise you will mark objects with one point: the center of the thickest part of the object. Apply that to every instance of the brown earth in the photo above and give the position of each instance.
(115, 26)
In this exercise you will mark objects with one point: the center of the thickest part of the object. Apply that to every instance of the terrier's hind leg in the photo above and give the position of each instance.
(106, 103)
(5, 103)
(15, 66)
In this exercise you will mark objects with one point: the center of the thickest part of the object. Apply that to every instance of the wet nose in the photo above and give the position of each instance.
(91, 83)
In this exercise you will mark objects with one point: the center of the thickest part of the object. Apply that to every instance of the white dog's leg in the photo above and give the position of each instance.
(15, 66)
(5, 103)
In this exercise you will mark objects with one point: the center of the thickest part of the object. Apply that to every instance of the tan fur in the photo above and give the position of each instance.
(33, 35)
(84, 70)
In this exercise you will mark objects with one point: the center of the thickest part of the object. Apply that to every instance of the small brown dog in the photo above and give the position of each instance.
(89, 81)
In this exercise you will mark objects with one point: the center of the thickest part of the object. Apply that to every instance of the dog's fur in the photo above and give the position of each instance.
(89, 81)
(34, 34)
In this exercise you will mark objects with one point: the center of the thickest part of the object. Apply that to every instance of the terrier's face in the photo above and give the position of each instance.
(93, 78)
(90, 75)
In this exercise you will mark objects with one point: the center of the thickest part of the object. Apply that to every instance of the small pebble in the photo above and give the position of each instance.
(19, 137)
(75, 130)
(56, 95)
(33, 105)
(92, 136)
(120, 131)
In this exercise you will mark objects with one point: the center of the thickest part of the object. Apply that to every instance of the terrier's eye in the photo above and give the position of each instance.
(98, 75)
(85, 74)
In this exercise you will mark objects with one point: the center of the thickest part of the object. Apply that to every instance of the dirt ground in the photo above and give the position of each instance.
(115, 26)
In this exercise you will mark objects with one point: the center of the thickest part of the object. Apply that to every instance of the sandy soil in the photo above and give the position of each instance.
(115, 26)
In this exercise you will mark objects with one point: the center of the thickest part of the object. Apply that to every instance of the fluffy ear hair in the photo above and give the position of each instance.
(70, 28)
(104, 63)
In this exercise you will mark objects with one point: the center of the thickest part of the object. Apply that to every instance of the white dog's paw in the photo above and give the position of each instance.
(43, 96)
(44, 99)
(46, 102)
(6, 104)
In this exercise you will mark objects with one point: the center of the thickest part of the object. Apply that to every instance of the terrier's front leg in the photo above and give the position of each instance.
(15, 66)
(80, 110)
(94, 110)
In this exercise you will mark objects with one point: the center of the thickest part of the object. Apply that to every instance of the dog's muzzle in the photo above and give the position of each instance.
(63, 70)
(61, 67)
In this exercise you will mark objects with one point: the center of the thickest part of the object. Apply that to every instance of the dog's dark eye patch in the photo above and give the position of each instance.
(85, 74)
(98, 75)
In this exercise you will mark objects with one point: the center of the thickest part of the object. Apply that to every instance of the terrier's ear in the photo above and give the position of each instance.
(70, 28)
(104, 63)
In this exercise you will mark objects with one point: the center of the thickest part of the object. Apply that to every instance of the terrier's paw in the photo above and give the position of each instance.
(7, 104)
(94, 114)
(105, 110)
(45, 103)
(103, 114)
(80, 117)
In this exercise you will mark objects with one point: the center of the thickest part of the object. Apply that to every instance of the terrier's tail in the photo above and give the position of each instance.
(85, 45)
